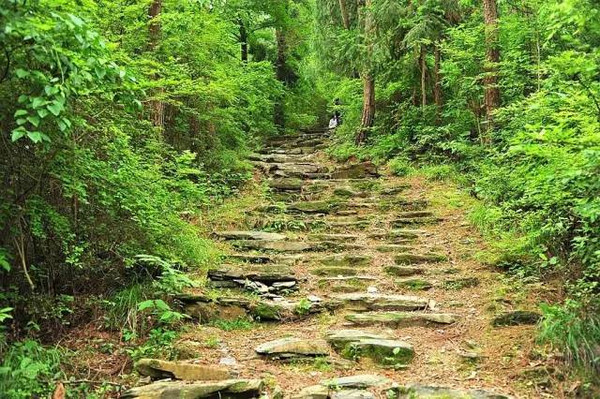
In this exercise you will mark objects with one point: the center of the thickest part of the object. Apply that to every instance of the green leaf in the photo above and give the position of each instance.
(56, 107)
(18, 133)
(149, 304)
(42, 112)
(36, 136)
(21, 73)
(34, 120)
(37, 102)
(20, 112)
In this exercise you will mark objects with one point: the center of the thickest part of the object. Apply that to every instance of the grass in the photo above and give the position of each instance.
(239, 324)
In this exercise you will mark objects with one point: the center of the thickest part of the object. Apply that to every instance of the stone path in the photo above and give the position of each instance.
(354, 293)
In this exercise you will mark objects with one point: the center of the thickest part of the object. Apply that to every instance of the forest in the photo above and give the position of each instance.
(130, 131)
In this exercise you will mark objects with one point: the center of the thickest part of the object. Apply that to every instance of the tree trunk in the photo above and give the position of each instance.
(368, 111)
(492, 55)
(423, 62)
(157, 107)
(243, 40)
(345, 16)
(437, 88)
(280, 72)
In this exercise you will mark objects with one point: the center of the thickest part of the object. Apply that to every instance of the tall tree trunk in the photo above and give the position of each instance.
(345, 15)
(157, 107)
(243, 40)
(492, 55)
(423, 62)
(368, 111)
(281, 74)
(437, 87)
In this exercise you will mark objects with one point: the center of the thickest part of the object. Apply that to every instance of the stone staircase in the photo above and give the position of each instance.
(338, 268)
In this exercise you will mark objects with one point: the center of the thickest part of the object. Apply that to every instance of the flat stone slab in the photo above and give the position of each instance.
(393, 248)
(338, 271)
(416, 284)
(264, 259)
(180, 389)
(276, 246)
(382, 351)
(398, 233)
(403, 271)
(516, 318)
(403, 221)
(267, 273)
(161, 369)
(286, 184)
(362, 301)
(411, 259)
(401, 318)
(438, 392)
(355, 171)
(335, 237)
(340, 338)
(360, 381)
(288, 348)
(250, 235)
(346, 260)
(313, 207)
(351, 394)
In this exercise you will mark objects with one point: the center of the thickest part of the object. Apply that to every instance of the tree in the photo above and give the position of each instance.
(492, 58)
(157, 107)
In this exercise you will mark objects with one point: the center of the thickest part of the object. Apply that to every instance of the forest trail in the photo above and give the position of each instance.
(348, 284)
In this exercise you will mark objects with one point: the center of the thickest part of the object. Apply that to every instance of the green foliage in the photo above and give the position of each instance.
(399, 167)
(241, 323)
(28, 369)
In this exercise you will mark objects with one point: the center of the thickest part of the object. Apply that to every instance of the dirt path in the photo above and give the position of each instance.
(346, 273)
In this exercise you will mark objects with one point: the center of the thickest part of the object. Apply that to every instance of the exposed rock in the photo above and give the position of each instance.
(160, 369)
(348, 192)
(516, 318)
(361, 381)
(335, 271)
(393, 248)
(383, 351)
(351, 394)
(286, 184)
(401, 318)
(415, 214)
(460, 283)
(356, 171)
(437, 392)
(227, 389)
(278, 246)
(347, 260)
(207, 312)
(263, 259)
(408, 258)
(291, 348)
(313, 207)
(398, 233)
(265, 274)
(335, 237)
(415, 284)
(402, 271)
(250, 235)
(361, 301)
(341, 338)
(399, 222)
(313, 392)
(394, 190)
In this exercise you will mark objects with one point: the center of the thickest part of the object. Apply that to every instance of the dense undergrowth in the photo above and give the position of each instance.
(535, 169)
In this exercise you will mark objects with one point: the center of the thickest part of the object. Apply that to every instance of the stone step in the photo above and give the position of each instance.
(403, 271)
(366, 301)
(280, 158)
(250, 235)
(392, 234)
(270, 273)
(413, 259)
(359, 170)
(393, 248)
(293, 348)
(275, 246)
(348, 278)
(339, 339)
(334, 237)
(438, 392)
(382, 351)
(161, 369)
(401, 319)
(401, 222)
(286, 184)
(264, 259)
(346, 260)
(207, 389)
(360, 381)
(394, 190)
(336, 271)
(351, 387)
(414, 284)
